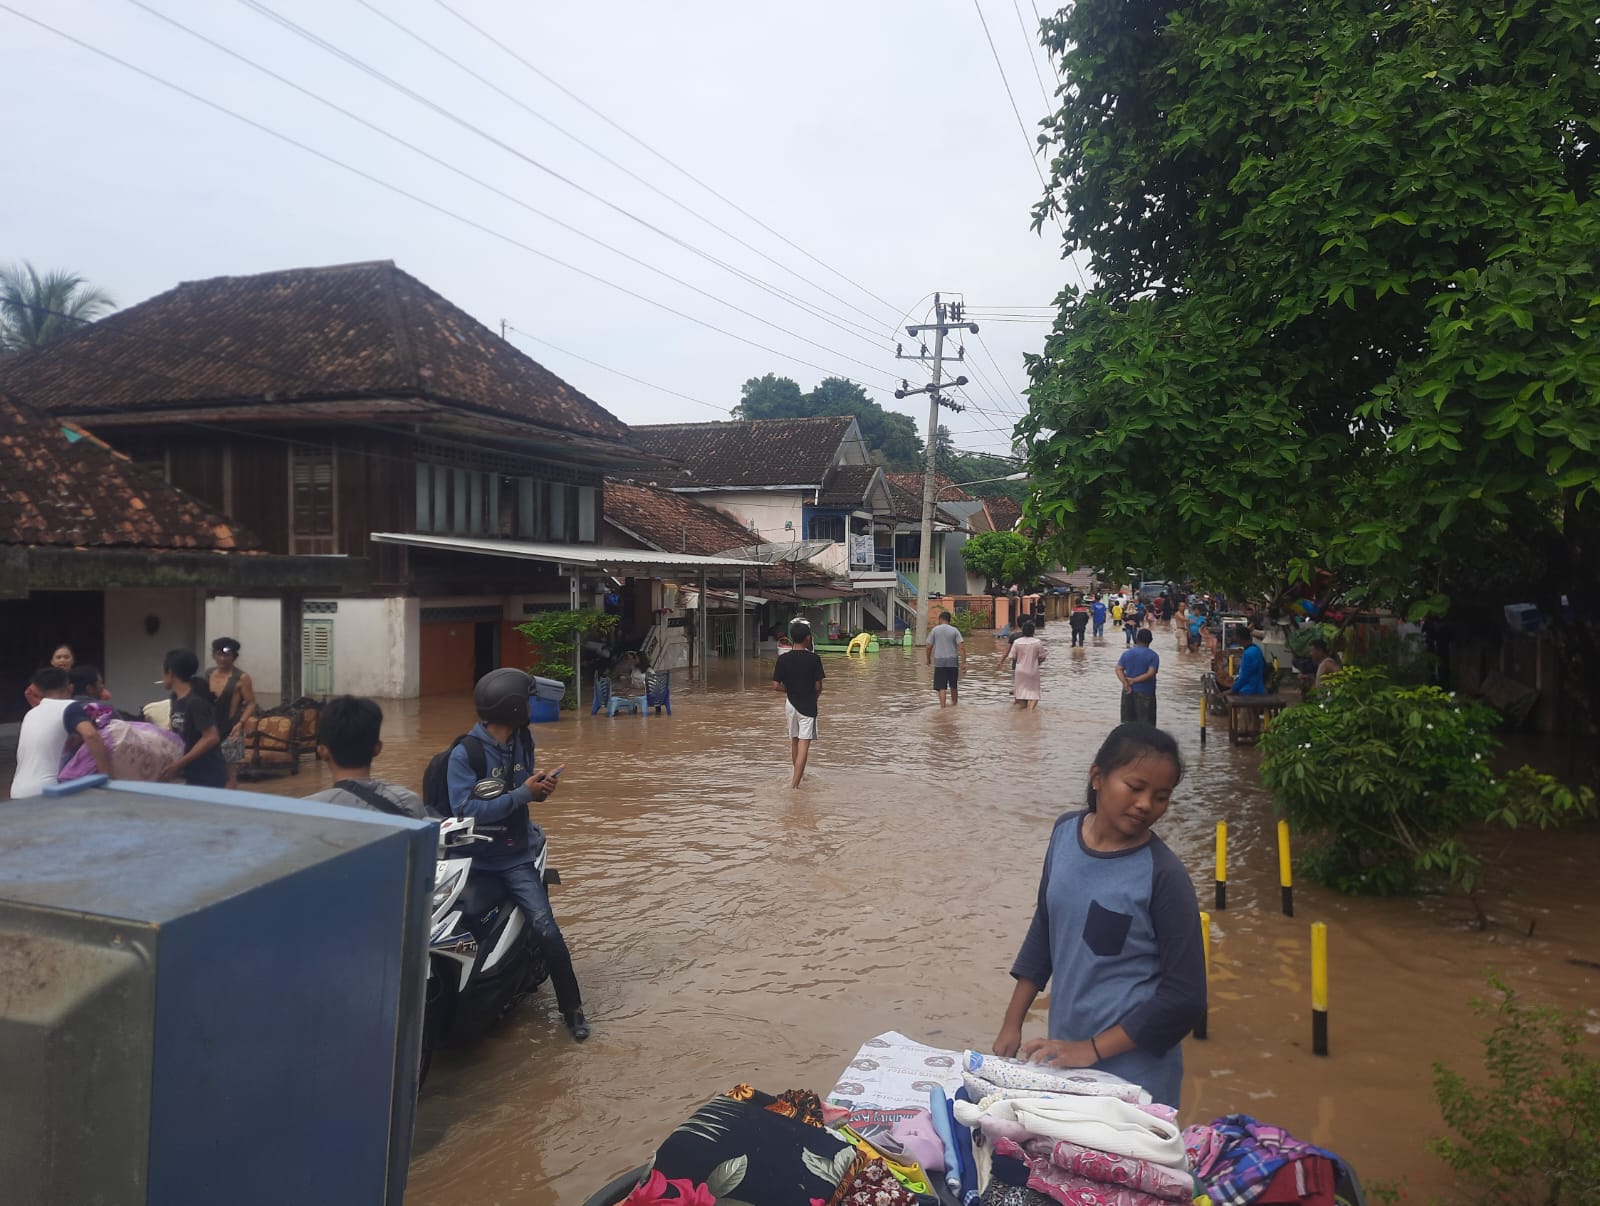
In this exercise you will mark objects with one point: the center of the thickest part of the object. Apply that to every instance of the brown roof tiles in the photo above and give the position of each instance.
(674, 523)
(756, 452)
(59, 486)
(307, 334)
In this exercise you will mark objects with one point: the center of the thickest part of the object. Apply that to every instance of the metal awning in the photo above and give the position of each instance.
(588, 556)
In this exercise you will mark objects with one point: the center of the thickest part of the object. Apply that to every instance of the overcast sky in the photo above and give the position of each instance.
(875, 135)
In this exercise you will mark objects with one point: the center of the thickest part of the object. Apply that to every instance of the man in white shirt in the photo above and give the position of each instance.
(46, 732)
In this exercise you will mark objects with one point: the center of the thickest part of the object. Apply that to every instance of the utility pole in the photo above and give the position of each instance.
(947, 318)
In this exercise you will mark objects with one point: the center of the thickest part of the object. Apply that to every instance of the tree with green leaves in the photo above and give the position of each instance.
(1347, 299)
(893, 435)
(1005, 559)
(37, 308)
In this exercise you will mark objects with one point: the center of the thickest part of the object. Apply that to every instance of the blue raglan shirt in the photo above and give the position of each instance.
(1120, 932)
(1252, 676)
(505, 764)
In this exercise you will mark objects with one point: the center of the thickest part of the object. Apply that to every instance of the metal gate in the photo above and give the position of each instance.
(316, 658)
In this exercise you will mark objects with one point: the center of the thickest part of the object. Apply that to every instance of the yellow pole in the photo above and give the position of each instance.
(1222, 865)
(1203, 1025)
(1319, 988)
(1202, 717)
(1285, 871)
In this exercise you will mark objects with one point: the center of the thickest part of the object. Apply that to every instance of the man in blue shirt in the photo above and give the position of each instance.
(1136, 670)
(1252, 676)
(1097, 612)
(506, 746)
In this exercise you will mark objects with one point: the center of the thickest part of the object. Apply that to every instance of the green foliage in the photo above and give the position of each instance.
(554, 636)
(1532, 1134)
(964, 621)
(894, 435)
(1383, 779)
(1376, 648)
(36, 309)
(1300, 637)
(1004, 558)
(1347, 299)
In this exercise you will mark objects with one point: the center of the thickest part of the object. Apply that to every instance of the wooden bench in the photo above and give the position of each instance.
(1249, 714)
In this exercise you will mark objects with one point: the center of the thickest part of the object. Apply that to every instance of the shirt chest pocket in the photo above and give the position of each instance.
(1105, 931)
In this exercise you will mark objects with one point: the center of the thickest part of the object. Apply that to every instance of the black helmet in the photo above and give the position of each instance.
(501, 697)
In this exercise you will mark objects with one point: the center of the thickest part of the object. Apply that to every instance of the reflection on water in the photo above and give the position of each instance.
(727, 928)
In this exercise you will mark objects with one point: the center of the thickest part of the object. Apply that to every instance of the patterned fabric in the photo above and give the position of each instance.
(1000, 1194)
(1072, 1190)
(138, 750)
(757, 1148)
(1236, 1157)
(998, 1072)
(1144, 1175)
(1103, 1123)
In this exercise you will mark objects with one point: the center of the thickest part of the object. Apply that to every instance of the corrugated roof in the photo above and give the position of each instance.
(348, 331)
(756, 452)
(61, 487)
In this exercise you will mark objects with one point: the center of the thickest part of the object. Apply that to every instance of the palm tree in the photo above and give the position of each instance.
(35, 309)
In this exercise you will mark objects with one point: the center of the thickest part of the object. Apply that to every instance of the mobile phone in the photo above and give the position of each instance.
(556, 774)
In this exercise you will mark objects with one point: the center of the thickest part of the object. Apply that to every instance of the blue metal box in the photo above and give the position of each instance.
(208, 996)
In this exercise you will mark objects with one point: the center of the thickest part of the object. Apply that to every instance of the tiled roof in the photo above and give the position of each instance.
(846, 485)
(60, 486)
(907, 501)
(306, 334)
(675, 523)
(1004, 511)
(946, 490)
(757, 452)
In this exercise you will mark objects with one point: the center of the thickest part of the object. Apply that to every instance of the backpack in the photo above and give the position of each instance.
(508, 837)
(435, 780)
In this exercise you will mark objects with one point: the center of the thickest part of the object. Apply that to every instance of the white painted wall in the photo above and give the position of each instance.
(255, 624)
(134, 655)
(377, 647)
(768, 511)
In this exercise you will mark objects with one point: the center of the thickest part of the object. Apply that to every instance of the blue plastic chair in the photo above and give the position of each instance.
(603, 698)
(658, 691)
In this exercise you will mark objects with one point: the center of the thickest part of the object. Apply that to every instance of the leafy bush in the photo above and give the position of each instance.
(1384, 778)
(965, 621)
(1533, 1133)
(554, 636)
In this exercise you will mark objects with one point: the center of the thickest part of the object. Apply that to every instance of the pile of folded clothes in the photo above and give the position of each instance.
(910, 1125)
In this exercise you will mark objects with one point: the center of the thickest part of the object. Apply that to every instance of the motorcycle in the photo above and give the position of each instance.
(482, 958)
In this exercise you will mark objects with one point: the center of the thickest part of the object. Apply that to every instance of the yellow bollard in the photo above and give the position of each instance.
(1202, 718)
(1222, 865)
(1285, 872)
(1319, 988)
(1201, 1027)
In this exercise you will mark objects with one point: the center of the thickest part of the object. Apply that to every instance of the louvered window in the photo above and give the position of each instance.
(311, 500)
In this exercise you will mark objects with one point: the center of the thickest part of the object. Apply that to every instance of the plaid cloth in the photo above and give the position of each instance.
(1236, 1156)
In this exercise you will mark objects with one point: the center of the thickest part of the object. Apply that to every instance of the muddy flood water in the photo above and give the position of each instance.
(727, 929)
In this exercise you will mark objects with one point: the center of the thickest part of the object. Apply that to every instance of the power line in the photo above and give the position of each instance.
(1033, 148)
(410, 196)
(465, 175)
(554, 83)
(1054, 70)
(617, 371)
(853, 328)
(1016, 6)
(338, 52)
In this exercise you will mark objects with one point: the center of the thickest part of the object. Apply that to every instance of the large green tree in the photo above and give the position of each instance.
(36, 308)
(1347, 298)
(894, 435)
(1005, 559)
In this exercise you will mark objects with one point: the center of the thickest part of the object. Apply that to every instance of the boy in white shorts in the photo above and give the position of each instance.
(799, 676)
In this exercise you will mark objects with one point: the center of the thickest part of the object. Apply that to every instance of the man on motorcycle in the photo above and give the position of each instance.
(498, 803)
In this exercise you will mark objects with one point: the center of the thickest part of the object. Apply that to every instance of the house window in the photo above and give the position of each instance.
(586, 509)
(558, 512)
(530, 516)
(311, 499)
(826, 527)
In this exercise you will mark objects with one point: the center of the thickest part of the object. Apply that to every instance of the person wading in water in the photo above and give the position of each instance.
(234, 695)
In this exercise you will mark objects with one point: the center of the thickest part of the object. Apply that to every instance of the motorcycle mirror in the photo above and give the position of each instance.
(488, 789)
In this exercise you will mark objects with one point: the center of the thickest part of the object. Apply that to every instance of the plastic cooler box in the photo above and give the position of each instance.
(544, 705)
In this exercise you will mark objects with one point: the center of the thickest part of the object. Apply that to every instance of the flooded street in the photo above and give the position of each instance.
(726, 928)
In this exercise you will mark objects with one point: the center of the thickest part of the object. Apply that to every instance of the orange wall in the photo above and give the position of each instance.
(514, 647)
(446, 657)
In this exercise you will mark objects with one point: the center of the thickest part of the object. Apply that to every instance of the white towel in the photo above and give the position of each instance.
(1103, 1123)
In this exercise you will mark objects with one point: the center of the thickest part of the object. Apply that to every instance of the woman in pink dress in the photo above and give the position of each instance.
(1026, 656)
